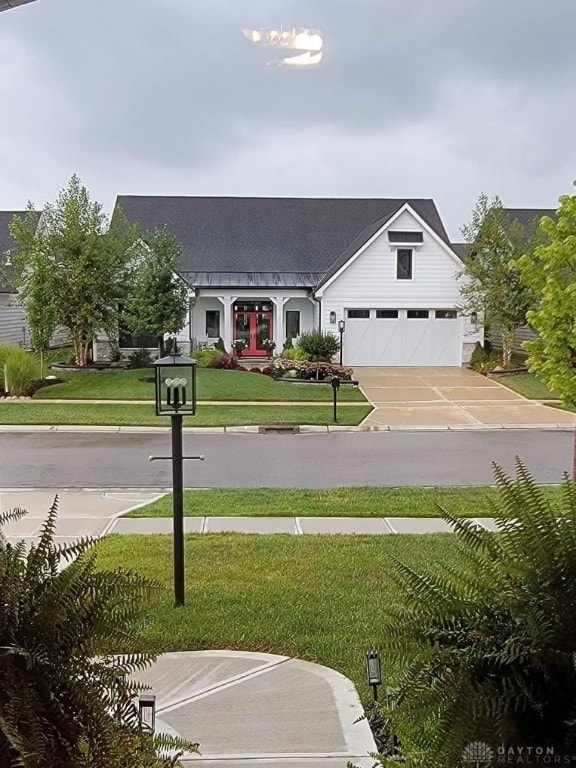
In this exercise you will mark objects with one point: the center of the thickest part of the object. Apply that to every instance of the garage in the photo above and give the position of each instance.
(402, 337)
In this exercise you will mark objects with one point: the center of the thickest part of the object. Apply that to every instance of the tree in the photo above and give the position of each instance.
(550, 272)
(493, 287)
(64, 699)
(71, 267)
(157, 298)
(486, 649)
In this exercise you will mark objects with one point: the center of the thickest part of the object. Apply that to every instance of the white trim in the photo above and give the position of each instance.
(405, 208)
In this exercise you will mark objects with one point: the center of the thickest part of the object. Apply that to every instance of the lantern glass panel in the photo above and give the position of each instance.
(176, 390)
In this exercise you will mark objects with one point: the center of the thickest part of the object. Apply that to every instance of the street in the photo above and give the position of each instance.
(100, 460)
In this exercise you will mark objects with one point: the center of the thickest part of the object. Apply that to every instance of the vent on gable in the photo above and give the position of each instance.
(406, 237)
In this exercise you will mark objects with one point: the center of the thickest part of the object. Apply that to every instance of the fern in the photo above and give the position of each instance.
(487, 650)
(61, 704)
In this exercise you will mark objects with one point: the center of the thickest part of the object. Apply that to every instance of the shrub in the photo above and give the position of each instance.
(479, 355)
(308, 370)
(204, 357)
(140, 358)
(224, 362)
(21, 370)
(269, 371)
(220, 345)
(295, 353)
(318, 346)
(288, 344)
(255, 369)
(65, 703)
(486, 649)
(5, 349)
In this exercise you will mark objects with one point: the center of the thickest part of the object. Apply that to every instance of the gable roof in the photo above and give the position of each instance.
(6, 241)
(268, 234)
(462, 250)
(527, 218)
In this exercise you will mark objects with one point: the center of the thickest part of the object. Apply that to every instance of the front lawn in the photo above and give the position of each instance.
(320, 598)
(527, 385)
(333, 502)
(129, 414)
(211, 384)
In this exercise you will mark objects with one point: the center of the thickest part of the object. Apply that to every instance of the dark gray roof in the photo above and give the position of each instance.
(528, 218)
(461, 250)
(289, 235)
(252, 279)
(6, 242)
(5, 5)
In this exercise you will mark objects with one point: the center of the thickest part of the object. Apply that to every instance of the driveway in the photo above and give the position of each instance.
(448, 397)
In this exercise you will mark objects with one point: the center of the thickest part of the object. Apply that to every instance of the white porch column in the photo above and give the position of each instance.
(227, 330)
(279, 333)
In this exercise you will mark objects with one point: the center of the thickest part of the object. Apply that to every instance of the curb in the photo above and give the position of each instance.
(301, 429)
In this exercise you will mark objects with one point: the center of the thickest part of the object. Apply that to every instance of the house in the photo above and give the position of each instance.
(13, 326)
(271, 268)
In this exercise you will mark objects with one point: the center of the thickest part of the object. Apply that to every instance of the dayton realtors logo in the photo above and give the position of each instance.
(478, 754)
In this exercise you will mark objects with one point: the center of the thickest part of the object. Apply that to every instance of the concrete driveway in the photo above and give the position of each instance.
(454, 398)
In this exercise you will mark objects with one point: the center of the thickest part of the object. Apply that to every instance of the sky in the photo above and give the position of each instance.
(423, 98)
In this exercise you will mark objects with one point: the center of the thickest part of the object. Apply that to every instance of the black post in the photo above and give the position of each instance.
(375, 692)
(341, 337)
(178, 509)
(335, 393)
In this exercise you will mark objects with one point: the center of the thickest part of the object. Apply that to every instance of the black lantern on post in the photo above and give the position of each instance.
(341, 329)
(373, 672)
(176, 397)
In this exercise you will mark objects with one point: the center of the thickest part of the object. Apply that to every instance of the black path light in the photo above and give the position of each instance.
(335, 387)
(341, 329)
(176, 397)
(373, 672)
(147, 711)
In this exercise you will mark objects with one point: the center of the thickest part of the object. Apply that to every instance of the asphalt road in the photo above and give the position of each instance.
(97, 460)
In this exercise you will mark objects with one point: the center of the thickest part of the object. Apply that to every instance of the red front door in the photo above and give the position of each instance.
(254, 327)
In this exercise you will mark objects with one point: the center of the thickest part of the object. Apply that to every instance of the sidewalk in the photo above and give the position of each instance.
(259, 709)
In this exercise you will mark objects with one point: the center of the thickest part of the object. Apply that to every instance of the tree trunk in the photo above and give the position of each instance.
(574, 456)
(508, 336)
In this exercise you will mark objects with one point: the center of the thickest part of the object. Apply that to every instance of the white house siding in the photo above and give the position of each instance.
(370, 282)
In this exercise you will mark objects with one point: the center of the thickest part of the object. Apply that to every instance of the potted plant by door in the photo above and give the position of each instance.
(239, 345)
(269, 345)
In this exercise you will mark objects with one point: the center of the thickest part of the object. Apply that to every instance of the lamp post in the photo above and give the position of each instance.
(335, 387)
(175, 385)
(341, 329)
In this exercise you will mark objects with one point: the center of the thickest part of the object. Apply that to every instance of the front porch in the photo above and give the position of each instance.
(256, 320)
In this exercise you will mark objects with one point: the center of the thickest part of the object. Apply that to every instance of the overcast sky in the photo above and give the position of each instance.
(415, 98)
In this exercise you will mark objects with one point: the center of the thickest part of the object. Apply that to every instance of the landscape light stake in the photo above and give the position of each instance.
(176, 397)
(373, 672)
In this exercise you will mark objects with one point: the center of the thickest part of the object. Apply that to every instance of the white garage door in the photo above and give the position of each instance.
(402, 337)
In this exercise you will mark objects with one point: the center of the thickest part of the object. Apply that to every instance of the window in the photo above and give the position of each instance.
(405, 237)
(292, 323)
(404, 264)
(387, 314)
(358, 314)
(417, 314)
(446, 314)
(213, 323)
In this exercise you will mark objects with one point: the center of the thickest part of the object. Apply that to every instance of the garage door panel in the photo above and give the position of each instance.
(447, 342)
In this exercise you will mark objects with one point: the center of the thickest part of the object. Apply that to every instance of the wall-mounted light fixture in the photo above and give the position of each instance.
(474, 318)
(332, 317)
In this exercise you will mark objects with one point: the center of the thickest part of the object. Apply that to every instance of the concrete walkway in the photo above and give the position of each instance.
(291, 525)
(258, 709)
(448, 398)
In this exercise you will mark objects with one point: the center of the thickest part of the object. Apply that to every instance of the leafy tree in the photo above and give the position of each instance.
(486, 650)
(70, 267)
(493, 287)
(63, 703)
(157, 299)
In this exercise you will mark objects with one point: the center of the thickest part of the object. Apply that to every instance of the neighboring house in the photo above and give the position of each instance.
(13, 326)
(271, 268)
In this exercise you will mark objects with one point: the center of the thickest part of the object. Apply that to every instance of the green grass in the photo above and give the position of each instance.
(528, 385)
(211, 384)
(129, 414)
(333, 502)
(320, 598)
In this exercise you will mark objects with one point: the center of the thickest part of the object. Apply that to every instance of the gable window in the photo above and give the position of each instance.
(405, 237)
(387, 314)
(292, 323)
(404, 264)
(417, 314)
(213, 323)
(358, 314)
